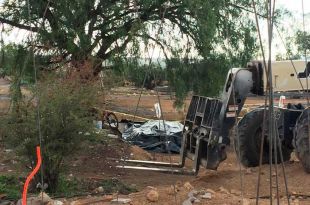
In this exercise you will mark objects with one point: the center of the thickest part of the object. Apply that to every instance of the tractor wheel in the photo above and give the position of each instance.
(112, 121)
(301, 140)
(248, 141)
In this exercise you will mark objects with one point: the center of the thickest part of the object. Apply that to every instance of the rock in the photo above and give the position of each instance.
(30, 200)
(112, 136)
(187, 202)
(193, 193)
(296, 202)
(197, 200)
(294, 158)
(188, 186)
(152, 196)
(293, 193)
(5, 202)
(248, 171)
(235, 192)
(178, 185)
(44, 198)
(55, 203)
(93, 200)
(120, 201)
(223, 190)
(100, 189)
(191, 200)
(207, 195)
(2, 196)
(210, 191)
(151, 187)
(172, 190)
(246, 202)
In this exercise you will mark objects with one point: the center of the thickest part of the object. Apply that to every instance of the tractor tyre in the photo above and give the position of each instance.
(248, 141)
(112, 121)
(301, 140)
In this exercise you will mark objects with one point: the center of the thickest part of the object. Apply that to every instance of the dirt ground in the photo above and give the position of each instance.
(227, 177)
(125, 100)
(225, 183)
(228, 185)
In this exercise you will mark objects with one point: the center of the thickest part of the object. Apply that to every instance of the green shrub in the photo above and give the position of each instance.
(10, 186)
(64, 123)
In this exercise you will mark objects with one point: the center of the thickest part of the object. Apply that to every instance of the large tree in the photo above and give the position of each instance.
(80, 30)
(302, 40)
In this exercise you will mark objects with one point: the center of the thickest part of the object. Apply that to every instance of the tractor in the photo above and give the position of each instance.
(210, 122)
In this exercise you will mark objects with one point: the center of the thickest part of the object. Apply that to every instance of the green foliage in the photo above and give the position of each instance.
(204, 77)
(303, 41)
(64, 119)
(103, 30)
(17, 62)
(79, 29)
(68, 188)
(10, 186)
(137, 71)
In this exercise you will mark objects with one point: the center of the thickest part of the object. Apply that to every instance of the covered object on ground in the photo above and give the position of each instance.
(155, 135)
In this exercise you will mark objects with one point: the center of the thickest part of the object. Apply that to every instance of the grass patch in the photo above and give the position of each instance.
(115, 185)
(68, 188)
(10, 186)
(74, 187)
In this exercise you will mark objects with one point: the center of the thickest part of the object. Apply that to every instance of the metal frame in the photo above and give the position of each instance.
(207, 124)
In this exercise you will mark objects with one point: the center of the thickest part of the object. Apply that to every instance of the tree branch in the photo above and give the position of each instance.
(156, 41)
(18, 25)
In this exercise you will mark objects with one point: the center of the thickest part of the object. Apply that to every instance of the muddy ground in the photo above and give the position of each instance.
(227, 185)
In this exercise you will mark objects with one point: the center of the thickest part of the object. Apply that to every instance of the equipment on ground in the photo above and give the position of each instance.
(209, 122)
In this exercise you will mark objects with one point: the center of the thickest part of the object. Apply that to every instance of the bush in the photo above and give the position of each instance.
(10, 186)
(65, 122)
(203, 77)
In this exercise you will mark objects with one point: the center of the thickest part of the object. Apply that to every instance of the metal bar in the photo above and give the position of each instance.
(147, 162)
(152, 163)
(169, 170)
